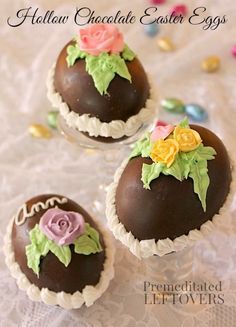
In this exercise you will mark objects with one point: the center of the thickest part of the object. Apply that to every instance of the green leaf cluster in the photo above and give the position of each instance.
(142, 148)
(40, 245)
(103, 67)
(89, 242)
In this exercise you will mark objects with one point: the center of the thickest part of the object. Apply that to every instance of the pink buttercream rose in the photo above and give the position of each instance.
(99, 38)
(161, 132)
(62, 227)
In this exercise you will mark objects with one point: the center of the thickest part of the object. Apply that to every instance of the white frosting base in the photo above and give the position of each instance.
(92, 125)
(67, 301)
(147, 248)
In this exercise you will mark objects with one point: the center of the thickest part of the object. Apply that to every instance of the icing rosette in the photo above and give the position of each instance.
(90, 72)
(173, 189)
(57, 253)
(99, 38)
(62, 227)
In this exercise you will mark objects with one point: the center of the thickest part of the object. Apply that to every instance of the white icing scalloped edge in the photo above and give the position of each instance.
(67, 301)
(92, 125)
(147, 248)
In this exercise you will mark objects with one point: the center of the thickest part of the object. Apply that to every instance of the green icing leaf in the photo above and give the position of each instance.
(101, 71)
(89, 242)
(204, 153)
(39, 240)
(74, 53)
(92, 233)
(150, 172)
(119, 66)
(127, 53)
(185, 164)
(33, 257)
(201, 180)
(103, 68)
(184, 123)
(176, 169)
(199, 154)
(143, 147)
(40, 246)
(63, 253)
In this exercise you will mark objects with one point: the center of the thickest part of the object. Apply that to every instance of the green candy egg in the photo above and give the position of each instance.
(52, 119)
(173, 105)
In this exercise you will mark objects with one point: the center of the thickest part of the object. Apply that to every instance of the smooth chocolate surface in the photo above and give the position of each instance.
(124, 99)
(83, 269)
(171, 208)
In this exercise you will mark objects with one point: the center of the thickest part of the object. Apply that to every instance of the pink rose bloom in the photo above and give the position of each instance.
(99, 38)
(161, 132)
(62, 227)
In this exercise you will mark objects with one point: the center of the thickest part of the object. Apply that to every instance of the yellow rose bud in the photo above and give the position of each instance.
(187, 138)
(165, 151)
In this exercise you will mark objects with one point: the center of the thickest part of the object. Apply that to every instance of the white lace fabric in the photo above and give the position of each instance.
(29, 167)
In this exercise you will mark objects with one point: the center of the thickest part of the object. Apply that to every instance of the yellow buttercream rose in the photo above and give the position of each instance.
(187, 138)
(165, 151)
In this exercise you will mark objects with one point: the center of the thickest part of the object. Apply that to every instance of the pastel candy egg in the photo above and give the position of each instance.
(151, 29)
(52, 119)
(165, 44)
(40, 131)
(157, 2)
(173, 105)
(234, 51)
(161, 123)
(178, 10)
(211, 64)
(196, 112)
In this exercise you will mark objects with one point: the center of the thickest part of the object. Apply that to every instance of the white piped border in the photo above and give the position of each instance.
(147, 248)
(67, 301)
(92, 125)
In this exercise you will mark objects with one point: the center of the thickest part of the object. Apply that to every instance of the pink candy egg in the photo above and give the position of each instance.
(234, 51)
(179, 10)
(157, 2)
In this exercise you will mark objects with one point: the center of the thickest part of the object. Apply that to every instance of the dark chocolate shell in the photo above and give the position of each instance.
(83, 270)
(171, 208)
(124, 99)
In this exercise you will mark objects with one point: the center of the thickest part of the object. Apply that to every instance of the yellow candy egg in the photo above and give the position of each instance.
(165, 44)
(211, 64)
(40, 131)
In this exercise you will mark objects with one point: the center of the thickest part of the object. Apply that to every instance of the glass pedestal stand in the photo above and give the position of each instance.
(83, 141)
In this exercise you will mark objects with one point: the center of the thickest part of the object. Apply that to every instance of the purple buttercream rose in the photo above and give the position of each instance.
(62, 227)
